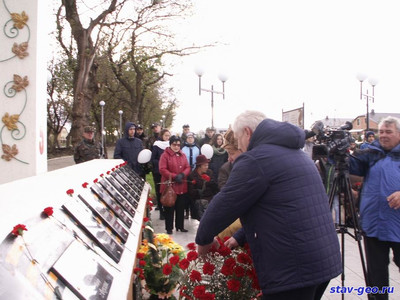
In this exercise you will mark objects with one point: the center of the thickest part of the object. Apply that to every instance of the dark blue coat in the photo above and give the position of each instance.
(278, 194)
(128, 149)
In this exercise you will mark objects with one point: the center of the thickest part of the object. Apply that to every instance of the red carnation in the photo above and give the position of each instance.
(142, 263)
(230, 262)
(206, 177)
(194, 182)
(70, 192)
(239, 271)
(140, 255)
(167, 269)
(243, 258)
(224, 251)
(108, 172)
(192, 255)
(208, 268)
(195, 276)
(191, 246)
(146, 219)
(208, 296)
(174, 260)
(19, 229)
(95, 181)
(113, 169)
(101, 175)
(139, 272)
(199, 291)
(184, 264)
(48, 211)
(233, 285)
(85, 184)
(226, 270)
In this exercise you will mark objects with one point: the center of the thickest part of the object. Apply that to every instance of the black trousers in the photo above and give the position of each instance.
(377, 254)
(157, 180)
(314, 292)
(179, 209)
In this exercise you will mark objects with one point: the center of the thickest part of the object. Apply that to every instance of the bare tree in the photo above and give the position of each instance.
(84, 78)
(137, 49)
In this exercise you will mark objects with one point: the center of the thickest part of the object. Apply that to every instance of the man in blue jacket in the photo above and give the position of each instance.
(277, 192)
(128, 148)
(379, 164)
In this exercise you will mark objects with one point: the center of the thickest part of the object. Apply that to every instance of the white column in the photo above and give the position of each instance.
(23, 54)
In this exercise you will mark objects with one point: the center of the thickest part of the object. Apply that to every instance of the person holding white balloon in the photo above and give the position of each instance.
(220, 155)
(128, 149)
(158, 149)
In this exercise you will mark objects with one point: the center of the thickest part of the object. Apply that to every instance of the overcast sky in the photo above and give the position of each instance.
(281, 54)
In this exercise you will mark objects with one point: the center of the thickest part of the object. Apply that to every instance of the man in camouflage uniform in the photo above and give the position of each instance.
(87, 149)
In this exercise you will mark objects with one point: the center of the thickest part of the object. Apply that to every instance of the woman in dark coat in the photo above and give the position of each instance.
(158, 149)
(173, 165)
(220, 156)
(202, 186)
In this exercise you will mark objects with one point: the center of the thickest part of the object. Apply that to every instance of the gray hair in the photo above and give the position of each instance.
(249, 118)
(390, 120)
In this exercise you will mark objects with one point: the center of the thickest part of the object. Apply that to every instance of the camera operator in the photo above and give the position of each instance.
(379, 164)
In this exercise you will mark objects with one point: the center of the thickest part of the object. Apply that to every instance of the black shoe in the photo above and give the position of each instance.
(186, 216)
(182, 230)
(169, 231)
(157, 208)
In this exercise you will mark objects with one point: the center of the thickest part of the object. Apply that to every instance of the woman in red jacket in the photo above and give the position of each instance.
(174, 165)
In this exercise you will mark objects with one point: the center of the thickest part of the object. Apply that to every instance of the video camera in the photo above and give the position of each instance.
(331, 142)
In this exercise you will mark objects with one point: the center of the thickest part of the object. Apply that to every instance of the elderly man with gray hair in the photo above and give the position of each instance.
(277, 192)
(379, 164)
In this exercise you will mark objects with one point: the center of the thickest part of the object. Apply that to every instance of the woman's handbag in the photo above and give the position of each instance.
(168, 197)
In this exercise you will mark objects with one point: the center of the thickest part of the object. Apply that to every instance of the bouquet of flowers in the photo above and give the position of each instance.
(159, 267)
(222, 274)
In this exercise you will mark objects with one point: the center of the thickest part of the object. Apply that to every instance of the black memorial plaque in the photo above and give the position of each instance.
(94, 230)
(139, 180)
(116, 195)
(100, 211)
(120, 200)
(82, 274)
(111, 204)
(133, 190)
(121, 190)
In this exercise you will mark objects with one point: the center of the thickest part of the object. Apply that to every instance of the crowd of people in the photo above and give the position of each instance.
(262, 186)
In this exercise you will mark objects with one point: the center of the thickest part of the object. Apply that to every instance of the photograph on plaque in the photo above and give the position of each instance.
(133, 190)
(112, 204)
(124, 177)
(113, 192)
(121, 201)
(78, 269)
(121, 190)
(95, 231)
(109, 220)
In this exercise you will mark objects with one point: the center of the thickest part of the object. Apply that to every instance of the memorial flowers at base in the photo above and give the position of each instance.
(158, 263)
(222, 274)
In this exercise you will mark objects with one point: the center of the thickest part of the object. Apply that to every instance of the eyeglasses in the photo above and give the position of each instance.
(176, 144)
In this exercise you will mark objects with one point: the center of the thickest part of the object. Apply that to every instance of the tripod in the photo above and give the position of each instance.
(341, 187)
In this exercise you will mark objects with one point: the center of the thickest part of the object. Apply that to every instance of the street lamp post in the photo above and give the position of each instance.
(373, 82)
(221, 77)
(120, 123)
(102, 103)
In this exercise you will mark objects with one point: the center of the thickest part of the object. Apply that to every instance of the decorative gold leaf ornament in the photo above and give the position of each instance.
(20, 50)
(20, 83)
(19, 19)
(9, 152)
(10, 121)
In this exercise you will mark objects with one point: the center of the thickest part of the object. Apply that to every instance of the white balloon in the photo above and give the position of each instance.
(207, 151)
(144, 156)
